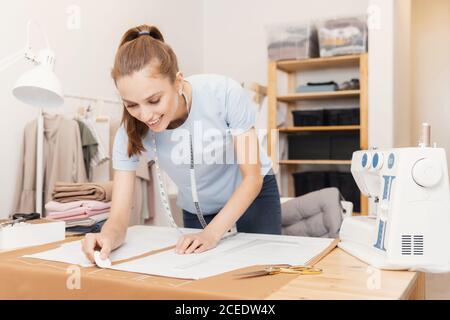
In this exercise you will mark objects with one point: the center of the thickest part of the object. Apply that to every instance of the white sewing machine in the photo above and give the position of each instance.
(409, 189)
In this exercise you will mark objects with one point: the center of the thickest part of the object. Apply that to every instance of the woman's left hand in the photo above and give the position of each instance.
(196, 243)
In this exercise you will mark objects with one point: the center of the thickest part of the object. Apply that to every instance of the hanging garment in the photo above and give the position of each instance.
(144, 211)
(143, 205)
(100, 173)
(90, 146)
(151, 207)
(101, 156)
(113, 127)
(63, 160)
(140, 209)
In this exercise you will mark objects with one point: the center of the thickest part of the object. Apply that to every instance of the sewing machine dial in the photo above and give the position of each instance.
(377, 161)
(366, 161)
(426, 172)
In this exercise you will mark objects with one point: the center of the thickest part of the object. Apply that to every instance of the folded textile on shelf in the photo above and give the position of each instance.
(87, 222)
(69, 192)
(80, 223)
(54, 206)
(82, 214)
(97, 227)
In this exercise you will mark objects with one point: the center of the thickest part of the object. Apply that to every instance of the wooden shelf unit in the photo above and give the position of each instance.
(318, 128)
(319, 95)
(348, 162)
(292, 68)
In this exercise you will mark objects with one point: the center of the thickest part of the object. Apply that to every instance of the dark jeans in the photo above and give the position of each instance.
(263, 215)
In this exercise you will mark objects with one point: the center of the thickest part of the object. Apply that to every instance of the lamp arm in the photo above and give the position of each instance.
(11, 59)
(26, 52)
(29, 23)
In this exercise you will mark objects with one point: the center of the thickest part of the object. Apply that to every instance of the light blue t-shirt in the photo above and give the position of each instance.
(220, 109)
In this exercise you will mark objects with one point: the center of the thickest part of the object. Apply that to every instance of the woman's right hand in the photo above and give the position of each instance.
(105, 242)
(115, 228)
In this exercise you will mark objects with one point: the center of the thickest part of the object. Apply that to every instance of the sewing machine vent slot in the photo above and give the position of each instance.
(418, 245)
(406, 244)
(412, 245)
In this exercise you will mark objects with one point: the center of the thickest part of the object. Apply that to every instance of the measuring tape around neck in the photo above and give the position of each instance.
(163, 193)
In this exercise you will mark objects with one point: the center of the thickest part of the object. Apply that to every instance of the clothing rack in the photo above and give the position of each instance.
(82, 110)
(92, 99)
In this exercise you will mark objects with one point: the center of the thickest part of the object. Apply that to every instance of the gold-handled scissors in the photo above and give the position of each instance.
(270, 270)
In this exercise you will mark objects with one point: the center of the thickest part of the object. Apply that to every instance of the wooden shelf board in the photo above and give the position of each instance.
(319, 63)
(319, 128)
(287, 162)
(318, 95)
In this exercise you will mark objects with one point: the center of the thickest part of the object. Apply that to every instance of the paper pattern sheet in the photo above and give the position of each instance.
(237, 252)
(139, 240)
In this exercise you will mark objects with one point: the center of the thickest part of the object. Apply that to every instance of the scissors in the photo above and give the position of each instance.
(20, 217)
(285, 268)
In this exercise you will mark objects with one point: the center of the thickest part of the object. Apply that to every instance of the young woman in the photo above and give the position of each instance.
(204, 123)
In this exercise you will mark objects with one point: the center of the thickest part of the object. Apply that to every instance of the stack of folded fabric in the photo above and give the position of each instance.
(83, 206)
(68, 192)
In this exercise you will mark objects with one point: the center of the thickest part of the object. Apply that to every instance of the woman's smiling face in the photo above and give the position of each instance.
(152, 100)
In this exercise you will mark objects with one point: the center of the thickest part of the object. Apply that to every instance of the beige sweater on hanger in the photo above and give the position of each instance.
(63, 160)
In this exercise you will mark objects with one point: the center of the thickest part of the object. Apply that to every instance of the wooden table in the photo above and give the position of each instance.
(346, 277)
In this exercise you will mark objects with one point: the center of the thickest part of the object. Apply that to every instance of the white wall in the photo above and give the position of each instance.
(381, 76)
(235, 42)
(402, 75)
(431, 69)
(84, 56)
(389, 74)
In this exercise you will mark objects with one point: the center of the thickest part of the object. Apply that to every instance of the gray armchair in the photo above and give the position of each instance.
(316, 214)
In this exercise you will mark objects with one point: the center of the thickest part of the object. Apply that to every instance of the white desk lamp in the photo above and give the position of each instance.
(38, 87)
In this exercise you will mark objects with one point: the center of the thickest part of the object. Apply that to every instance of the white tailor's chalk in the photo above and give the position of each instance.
(100, 262)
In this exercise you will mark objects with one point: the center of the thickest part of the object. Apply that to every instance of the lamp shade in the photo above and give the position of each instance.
(39, 87)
